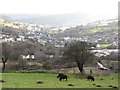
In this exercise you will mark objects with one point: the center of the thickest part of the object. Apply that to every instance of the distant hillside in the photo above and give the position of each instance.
(21, 16)
(58, 20)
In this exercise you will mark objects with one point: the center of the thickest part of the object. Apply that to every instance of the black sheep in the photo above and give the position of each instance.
(90, 77)
(62, 76)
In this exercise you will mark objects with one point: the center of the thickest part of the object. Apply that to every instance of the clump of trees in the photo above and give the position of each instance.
(12, 51)
(11, 55)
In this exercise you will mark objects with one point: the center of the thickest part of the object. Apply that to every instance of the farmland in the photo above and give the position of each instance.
(29, 80)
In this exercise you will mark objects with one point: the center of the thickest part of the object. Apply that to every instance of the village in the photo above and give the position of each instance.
(44, 34)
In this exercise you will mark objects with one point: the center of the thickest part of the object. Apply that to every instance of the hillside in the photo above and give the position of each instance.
(101, 32)
(70, 19)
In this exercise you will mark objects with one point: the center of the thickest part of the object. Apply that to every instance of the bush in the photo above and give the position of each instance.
(46, 66)
(8, 71)
(33, 71)
(16, 65)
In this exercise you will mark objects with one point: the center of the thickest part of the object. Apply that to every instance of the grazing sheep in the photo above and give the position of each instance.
(90, 77)
(62, 76)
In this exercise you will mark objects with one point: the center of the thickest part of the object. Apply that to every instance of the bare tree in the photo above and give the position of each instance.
(79, 52)
(6, 52)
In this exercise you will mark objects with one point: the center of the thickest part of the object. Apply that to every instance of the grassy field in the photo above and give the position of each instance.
(105, 45)
(29, 80)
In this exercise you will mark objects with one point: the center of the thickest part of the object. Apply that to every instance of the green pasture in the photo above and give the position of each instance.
(105, 45)
(29, 80)
(96, 30)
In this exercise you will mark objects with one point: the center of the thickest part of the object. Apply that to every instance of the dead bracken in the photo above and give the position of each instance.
(70, 85)
(39, 82)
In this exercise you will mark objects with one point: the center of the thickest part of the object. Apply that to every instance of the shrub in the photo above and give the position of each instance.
(46, 66)
(23, 71)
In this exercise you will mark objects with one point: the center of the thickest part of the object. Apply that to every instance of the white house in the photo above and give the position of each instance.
(20, 38)
(8, 39)
(49, 54)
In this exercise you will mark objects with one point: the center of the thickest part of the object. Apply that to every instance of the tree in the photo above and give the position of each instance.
(79, 52)
(6, 53)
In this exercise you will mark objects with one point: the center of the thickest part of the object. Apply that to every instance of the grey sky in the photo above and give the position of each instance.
(93, 7)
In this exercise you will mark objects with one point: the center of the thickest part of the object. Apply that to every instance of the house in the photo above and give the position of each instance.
(59, 46)
(7, 38)
(10, 39)
(20, 38)
(28, 56)
(50, 54)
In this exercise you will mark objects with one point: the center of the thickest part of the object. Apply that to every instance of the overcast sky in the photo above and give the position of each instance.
(95, 7)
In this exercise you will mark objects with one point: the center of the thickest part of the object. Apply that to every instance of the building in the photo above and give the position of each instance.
(50, 54)
(28, 56)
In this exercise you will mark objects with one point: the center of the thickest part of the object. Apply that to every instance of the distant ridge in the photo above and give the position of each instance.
(69, 19)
